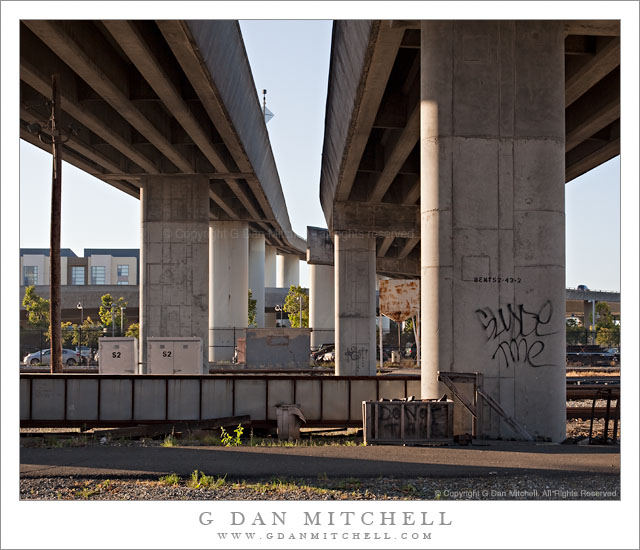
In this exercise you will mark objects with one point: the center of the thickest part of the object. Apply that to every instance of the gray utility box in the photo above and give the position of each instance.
(118, 355)
(275, 348)
(174, 355)
(403, 422)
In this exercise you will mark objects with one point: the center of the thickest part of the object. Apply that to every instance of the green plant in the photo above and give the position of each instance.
(292, 302)
(200, 480)
(170, 441)
(251, 321)
(171, 479)
(230, 441)
(133, 331)
(118, 306)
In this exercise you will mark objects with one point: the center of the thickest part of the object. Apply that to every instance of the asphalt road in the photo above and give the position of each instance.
(497, 458)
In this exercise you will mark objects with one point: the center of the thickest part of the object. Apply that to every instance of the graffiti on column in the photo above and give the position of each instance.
(518, 333)
(358, 354)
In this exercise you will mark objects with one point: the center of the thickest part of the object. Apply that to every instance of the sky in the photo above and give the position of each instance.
(290, 59)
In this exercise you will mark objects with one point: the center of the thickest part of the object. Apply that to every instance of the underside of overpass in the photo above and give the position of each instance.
(158, 98)
(371, 176)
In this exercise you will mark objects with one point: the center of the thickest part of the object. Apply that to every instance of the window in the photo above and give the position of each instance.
(123, 274)
(97, 275)
(77, 275)
(30, 275)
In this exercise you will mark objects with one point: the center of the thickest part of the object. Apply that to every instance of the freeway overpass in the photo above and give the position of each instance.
(447, 145)
(166, 111)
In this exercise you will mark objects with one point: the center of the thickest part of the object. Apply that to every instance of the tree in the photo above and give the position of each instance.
(607, 331)
(252, 311)
(69, 334)
(88, 333)
(37, 308)
(105, 311)
(292, 306)
(576, 333)
(133, 331)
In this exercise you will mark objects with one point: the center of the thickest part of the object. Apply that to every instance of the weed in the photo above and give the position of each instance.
(322, 476)
(230, 441)
(171, 479)
(409, 488)
(170, 440)
(200, 480)
(86, 492)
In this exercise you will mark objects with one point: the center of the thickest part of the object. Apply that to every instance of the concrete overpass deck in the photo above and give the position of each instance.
(159, 98)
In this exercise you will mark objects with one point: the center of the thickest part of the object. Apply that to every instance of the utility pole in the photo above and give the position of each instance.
(55, 313)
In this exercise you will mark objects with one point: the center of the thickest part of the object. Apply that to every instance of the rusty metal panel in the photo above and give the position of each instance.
(400, 298)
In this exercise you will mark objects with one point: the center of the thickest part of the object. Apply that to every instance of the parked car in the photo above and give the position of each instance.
(318, 354)
(329, 356)
(410, 350)
(70, 357)
(583, 287)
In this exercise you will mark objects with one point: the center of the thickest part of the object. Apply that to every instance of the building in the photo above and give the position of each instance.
(98, 266)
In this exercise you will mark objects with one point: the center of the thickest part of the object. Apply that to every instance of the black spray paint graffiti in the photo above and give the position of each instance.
(355, 354)
(518, 333)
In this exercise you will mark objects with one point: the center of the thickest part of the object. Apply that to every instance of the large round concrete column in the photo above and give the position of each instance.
(355, 305)
(228, 285)
(173, 259)
(288, 270)
(492, 214)
(321, 304)
(257, 274)
(270, 253)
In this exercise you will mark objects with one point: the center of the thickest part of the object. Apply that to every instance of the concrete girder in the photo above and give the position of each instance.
(408, 247)
(138, 51)
(377, 218)
(595, 110)
(31, 76)
(387, 42)
(399, 151)
(87, 69)
(72, 142)
(596, 157)
(179, 40)
(409, 267)
(593, 28)
(607, 59)
(82, 164)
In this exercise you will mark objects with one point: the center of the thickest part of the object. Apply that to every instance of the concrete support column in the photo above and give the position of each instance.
(492, 215)
(229, 285)
(257, 274)
(173, 258)
(321, 304)
(270, 266)
(288, 270)
(355, 305)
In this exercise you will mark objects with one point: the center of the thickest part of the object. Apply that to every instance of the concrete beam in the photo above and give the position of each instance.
(409, 267)
(581, 166)
(397, 155)
(85, 66)
(380, 218)
(387, 42)
(319, 246)
(593, 28)
(408, 247)
(34, 78)
(607, 59)
(598, 119)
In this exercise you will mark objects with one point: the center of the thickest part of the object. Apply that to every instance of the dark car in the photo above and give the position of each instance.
(410, 351)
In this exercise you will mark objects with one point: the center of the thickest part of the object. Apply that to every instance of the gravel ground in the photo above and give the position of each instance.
(529, 487)
(494, 487)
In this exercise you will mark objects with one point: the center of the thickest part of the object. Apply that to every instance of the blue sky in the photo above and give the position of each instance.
(291, 60)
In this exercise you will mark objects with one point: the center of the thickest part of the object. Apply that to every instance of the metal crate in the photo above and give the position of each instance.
(402, 422)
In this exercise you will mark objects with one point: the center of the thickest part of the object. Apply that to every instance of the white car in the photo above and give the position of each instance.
(43, 357)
